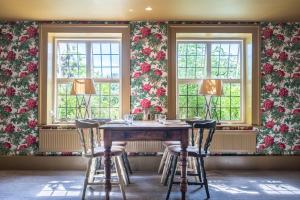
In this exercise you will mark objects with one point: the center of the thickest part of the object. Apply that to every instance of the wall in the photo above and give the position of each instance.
(280, 83)
(280, 91)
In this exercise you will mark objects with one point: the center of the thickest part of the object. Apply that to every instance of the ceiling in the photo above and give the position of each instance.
(129, 10)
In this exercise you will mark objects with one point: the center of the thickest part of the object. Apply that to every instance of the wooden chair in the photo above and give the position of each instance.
(93, 151)
(197, 152)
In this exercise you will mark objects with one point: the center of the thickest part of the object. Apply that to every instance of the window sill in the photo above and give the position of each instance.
(58, 126)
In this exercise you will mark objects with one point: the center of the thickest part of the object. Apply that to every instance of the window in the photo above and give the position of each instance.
(217, 59)
(226, 52)
(96, 59)
(100, 52)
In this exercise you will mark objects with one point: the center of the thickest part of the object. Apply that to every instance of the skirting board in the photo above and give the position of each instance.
(150, 163)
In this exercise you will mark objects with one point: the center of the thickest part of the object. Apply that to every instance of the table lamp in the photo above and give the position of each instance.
(84, 86)
(209, 88)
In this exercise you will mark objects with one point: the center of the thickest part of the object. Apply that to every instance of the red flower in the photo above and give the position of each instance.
(269, 141)
(11, 55)
(136, 39)
(296, 111)
(7, 145)
(296, 75)
(268, 68)
(31, 103)
(145, 103)
(9, 128)
(157, 72)
(137, 74)
(31, 31)
(295, 40)
(7, 109)
(284, 128)
(270, 124)
(267, 33)
(23, 74)
(158, 36)
(145, 31)
(283, 92)
(281, 145)
(268, 104)
(296, 147)
(33, 51)
(32, 123)
(160, 55)
(147, 87)
(280, 37)
(31, 67)
(9, 36)
(22, 110)
(22, 147)
(281, 109)
(23, 38)
(32, 87)
(145, 67)
(269, 52)
(269, 88)
(146, 51)
(7, 72)
(10, 91)
(157, 109)
(261, 147)
(30, 140)
(137, 110)
(280, 73)
(283, 56)
(161, 91)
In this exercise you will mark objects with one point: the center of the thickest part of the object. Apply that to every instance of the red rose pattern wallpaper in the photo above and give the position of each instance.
(18, 88)
(280, 92)
(148, 68)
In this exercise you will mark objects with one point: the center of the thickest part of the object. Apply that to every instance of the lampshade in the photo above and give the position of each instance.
(212, 87)
(83, 86)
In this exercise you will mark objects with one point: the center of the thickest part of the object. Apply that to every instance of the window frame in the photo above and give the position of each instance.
(89, 67)
(241, 80)
(48, 33)
(252, 70)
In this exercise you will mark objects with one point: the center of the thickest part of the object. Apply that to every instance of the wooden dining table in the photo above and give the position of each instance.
(143, 131)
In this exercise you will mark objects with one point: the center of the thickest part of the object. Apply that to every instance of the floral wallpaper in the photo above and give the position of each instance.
(18, 87)
(148, 67)
(280, 92)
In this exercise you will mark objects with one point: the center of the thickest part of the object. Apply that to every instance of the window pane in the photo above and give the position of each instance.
(225, 63)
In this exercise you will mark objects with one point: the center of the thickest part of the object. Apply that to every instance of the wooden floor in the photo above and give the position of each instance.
(231, 185)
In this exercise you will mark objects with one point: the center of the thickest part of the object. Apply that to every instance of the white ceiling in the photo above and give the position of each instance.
(119, 10)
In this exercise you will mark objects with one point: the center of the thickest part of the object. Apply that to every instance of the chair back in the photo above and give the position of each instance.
(209, 125)
(88, 131)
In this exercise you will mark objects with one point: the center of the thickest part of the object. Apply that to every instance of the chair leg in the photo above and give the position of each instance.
(127, 162)
(165, 170)
(198, 167)
(162, 162)
(123, 170)
(87, 173)
(119, 174)
(204, 177)
(123, 156)
(169, 168)
(173, 168)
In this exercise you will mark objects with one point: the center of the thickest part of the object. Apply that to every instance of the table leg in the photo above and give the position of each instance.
(107, 163)
(183, 162)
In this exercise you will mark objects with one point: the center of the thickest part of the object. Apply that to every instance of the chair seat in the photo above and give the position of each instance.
(192, 150)
(169, 143)
(99, 151)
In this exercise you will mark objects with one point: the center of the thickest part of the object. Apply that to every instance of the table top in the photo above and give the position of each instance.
(146, 125)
